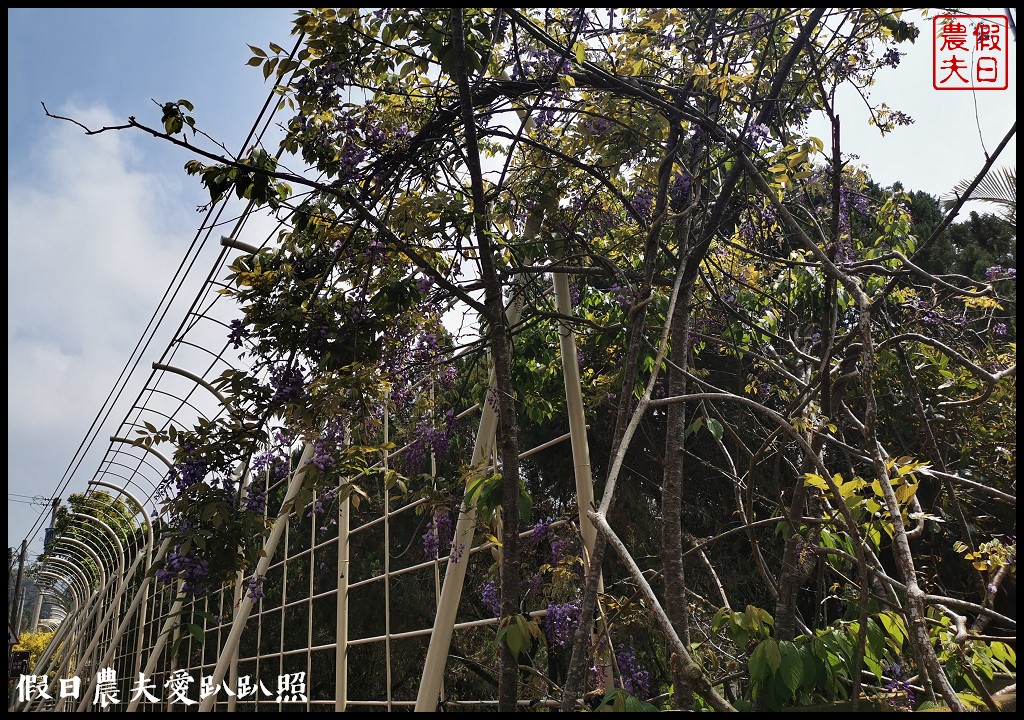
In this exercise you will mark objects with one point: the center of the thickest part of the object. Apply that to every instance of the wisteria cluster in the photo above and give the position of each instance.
(287, 382)
(426, 348)
(621, 295)
(357, 137)
(679, 191)
(321, 83)
(429, 438)
(237, 333)
(892, 57)
(998, 272)
(900, 686)
(327, 444)
(643, 202)
(757, 136)
(534, 583)
(562, 550)
(276, 463)
(255, 589)
(757, 24)
(540, 531)
(256, 502)
(438, 534)
(537, 63)
(561, 621)
(193, 571)
(187, 473)
(635, 680)
(597, 125)
(489, 596)
(322, 502)
(888, 119)
(850, 200)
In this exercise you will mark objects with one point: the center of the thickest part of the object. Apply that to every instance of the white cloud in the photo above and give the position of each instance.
(93, 241)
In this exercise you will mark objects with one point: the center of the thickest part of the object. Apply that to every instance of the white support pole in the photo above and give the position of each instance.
(90, 612)
(437, 558)
(42, 664)
(341, 628)
(154, 653)
(455, 573)
(577, 419)
(462, 541)
(90, 651)
(122, 579)
(68, 647)
(129, 614)
(580, 445)
(141, 603)
(245, 477)
(387, 562)
(269, 548)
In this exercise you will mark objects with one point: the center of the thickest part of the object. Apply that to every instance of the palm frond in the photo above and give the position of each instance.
(999, 187)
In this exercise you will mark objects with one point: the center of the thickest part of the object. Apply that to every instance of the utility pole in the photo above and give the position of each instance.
(20, 610)
(38, 610)
(17, 583)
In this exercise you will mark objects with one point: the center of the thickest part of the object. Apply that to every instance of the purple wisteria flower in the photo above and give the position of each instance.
(438, 534)
(489, 595)
(256, 502)
(757, 136)
(255, 588)
(900, 686)
(540, 531)
(635, 680)
(997, 272)
(237, 334)
(561, 621)
(679, 191)
(287, 382)
(643, 201)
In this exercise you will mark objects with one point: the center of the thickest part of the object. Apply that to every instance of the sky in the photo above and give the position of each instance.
(97, 224)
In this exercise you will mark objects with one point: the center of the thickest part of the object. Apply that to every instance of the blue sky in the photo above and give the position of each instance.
(97, 224)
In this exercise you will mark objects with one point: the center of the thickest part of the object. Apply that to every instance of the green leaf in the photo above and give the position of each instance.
(813, 669)
(1005, 653)
(633, 704)
(517, 641)
(894, 627)
(815, 480)
(791, 669)
(720, 619)
(874, 666)
(269, 68)
(580, 50)
(257, 51)
(765, 658)
(525, 503)
(715, 428)
(772, 655)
